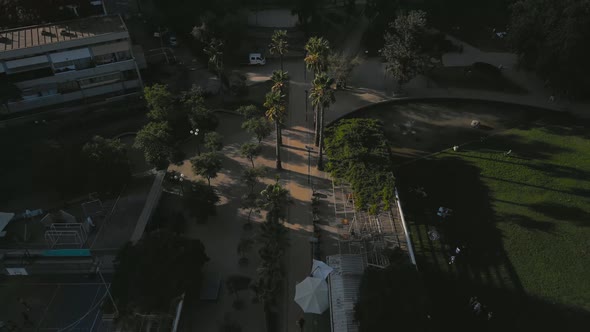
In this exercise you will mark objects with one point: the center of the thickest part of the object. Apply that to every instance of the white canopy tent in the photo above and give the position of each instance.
(312, 295)
(320, 269)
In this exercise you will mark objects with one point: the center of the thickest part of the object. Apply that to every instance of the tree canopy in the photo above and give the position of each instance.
(107, 164)
(402, 49)
(260, 127)
(155, 140)
(358, 153)
(207, 165)
(552, 38)
(155, 270)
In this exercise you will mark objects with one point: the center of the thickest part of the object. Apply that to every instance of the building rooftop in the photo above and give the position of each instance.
(31, 36)
(344, 288)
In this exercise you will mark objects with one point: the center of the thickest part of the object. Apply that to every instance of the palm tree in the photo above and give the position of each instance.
(275, 111)
(274, 199)
(279, 44)
(318, 50)
(321, 95)
(214, 51)
(279, 79)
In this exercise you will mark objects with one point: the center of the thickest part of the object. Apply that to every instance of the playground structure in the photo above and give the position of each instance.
(362, 233)
(62, 229)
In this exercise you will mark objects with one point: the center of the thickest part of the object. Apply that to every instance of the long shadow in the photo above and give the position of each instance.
(525, 184)
(483, 263)
(558, 211)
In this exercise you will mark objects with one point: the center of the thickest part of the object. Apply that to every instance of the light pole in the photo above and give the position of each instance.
(306, 105)
(180, 179)
(309, 149)
(195, 132)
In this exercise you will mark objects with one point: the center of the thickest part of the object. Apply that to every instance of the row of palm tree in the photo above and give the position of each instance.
(275, 101)
(322, 91)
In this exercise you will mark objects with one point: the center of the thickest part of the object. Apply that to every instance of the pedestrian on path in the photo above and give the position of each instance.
(452, 260)
(301, 323)
(552, 98)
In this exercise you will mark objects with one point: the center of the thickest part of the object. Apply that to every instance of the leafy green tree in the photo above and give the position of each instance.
(359, 154)
(279, 44)
(155, 140)
(259, 127)
(551, 38)
(214, 50)
(402, 50)
(279, 79)
(322, 96)
(250, 111)
(162, 106)
(200, 201)
(207, 165)
(252, 175)
(107, 164)
(250, 151)
(213, 141)
(199, 115)
(151, 273)
(160, 102)
(318, 51)
(276, 112)
(341, 66)
(250, 201)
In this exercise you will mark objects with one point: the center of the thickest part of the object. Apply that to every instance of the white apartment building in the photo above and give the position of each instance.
(59, 64)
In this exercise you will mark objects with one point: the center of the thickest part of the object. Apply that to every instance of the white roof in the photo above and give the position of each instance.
(5, 218)
(344, 287)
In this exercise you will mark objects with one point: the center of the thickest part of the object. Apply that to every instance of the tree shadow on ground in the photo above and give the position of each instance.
(511, 310)
(529, 223)
(524, 149)
(558, 211)
(455, 184)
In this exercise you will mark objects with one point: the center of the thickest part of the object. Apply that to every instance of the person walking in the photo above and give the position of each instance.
(301, 323)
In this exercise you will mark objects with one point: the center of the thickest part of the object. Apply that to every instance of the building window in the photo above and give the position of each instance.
(125, 55)
(100, 80)
(67, 87)
(105, 58)
(78, 64)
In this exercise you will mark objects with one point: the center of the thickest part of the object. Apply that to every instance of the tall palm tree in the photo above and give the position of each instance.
(321, 95)
(318, 50)
(279, 79)
(275, 111)
(279, 44)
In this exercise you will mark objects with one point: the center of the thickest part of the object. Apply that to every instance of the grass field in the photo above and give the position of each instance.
(523, 217)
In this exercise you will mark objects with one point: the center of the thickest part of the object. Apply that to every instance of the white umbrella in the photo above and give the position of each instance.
(312, 295)
(320, 269)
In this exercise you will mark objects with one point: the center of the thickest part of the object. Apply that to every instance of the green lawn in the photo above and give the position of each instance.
(524, 219)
